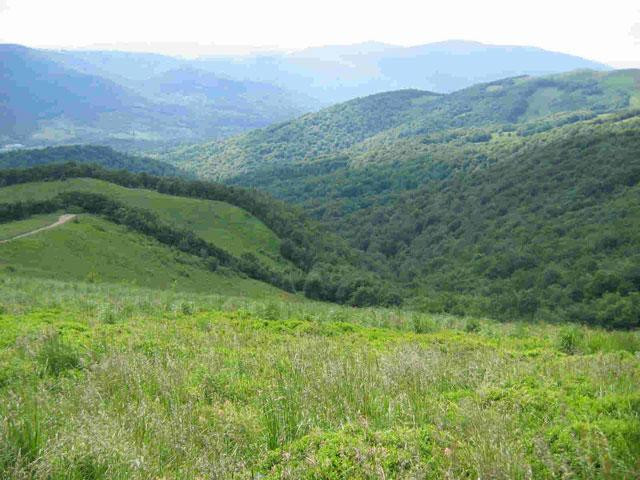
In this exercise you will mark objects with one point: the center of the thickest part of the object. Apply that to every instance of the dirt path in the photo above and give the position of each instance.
(61, 220)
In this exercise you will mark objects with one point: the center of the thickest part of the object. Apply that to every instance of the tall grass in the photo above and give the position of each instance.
(133, 383)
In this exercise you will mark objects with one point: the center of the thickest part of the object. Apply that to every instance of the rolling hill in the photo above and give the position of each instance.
(47, 101)
(94, 250)
(245, 232)
(228, 227)
(368, 126)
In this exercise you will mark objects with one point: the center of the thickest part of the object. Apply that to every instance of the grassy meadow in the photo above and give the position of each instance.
(13, 229)
(226, 226)
(115, 381)
(92, 249)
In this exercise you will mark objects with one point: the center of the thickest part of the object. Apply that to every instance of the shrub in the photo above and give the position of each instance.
(421, 324)
(21, 436)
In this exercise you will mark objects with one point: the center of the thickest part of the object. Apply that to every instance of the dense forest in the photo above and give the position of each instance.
(552, 231)
(367, 126)
(537, 226)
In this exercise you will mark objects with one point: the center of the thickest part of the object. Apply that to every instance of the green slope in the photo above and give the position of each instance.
(13, 229)
(293, 253)
(516, 225)
(516, 103)
(551, 230)
(92, 249)
(332, 129)
(220, 223)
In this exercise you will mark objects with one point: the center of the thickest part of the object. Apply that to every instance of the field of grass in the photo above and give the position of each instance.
(108, 381)
(222, 224)
(13, 229)
(93, 249)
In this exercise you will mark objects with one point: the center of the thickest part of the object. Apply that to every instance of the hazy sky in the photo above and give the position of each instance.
(608, 31)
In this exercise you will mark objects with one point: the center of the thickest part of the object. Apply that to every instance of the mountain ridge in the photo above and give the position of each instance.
(389, 117)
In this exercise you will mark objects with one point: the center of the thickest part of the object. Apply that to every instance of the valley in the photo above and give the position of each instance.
(359, 261)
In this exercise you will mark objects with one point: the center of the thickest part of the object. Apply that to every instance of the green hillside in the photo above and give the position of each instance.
(20, 227)
(370, 123)
(313, 134)
(244, 231)
(119, 382)
(517, 224)
(551, 230)
(103, 156)
(220, 223)
(92, 249)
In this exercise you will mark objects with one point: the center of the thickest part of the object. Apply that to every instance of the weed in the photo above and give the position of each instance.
(55, 356)
(570, 340)
(472, 326)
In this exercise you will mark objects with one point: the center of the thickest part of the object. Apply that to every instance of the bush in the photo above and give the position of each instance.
(271, 312)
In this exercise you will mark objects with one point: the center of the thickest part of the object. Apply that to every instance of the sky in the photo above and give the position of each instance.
(607, 31)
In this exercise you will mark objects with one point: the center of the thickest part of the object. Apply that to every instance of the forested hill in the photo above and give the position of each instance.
(551, 230)
(515, 225)
(329, 130)
(104, 156)
(372, 123)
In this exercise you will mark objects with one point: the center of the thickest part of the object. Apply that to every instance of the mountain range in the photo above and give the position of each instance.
(144, 101)
(378, 127)
(339, 73)
(47, 101)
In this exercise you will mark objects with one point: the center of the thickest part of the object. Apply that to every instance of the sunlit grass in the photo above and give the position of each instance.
(106, 381)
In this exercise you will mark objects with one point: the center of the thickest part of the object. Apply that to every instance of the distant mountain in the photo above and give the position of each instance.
(338, 73)
(368, 129)
(48, 98)
(142, 101)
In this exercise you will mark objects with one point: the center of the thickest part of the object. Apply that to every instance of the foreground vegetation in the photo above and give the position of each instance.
(104, 381)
